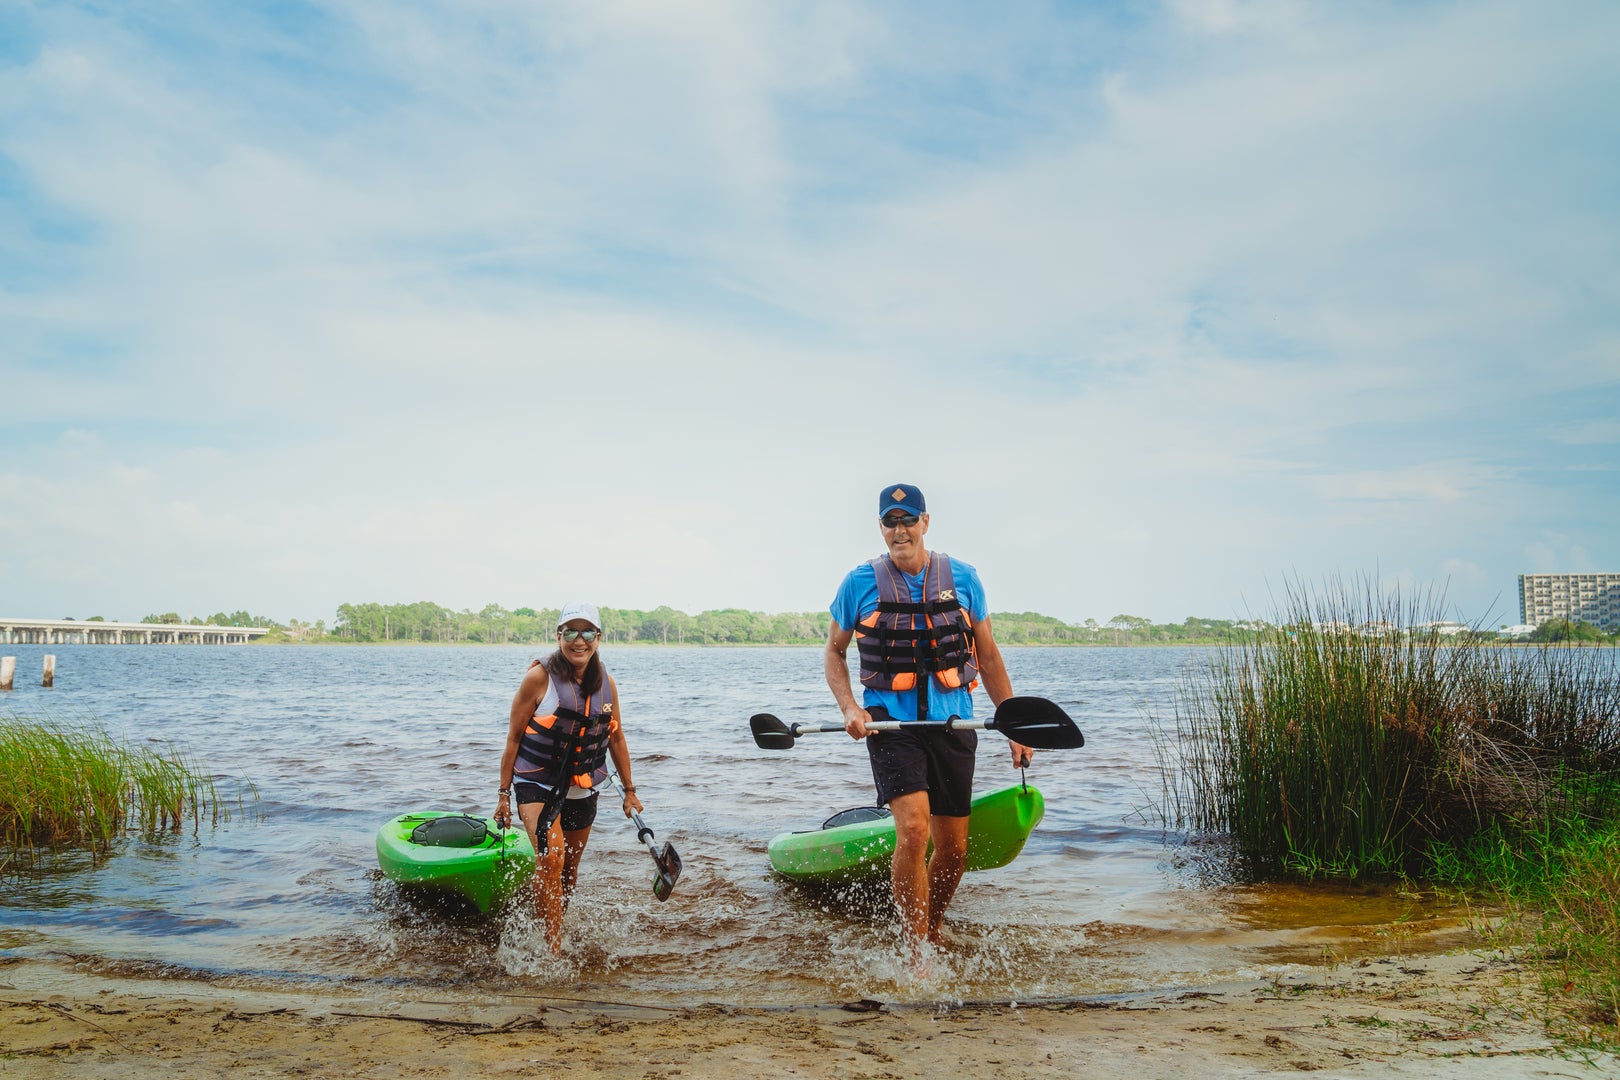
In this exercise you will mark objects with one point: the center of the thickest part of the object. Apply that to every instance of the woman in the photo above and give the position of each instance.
(565, 723)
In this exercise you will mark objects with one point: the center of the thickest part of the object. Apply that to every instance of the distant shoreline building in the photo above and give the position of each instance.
(1588, 598)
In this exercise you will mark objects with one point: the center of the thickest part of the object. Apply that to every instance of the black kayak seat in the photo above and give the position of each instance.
(856, 815)
(452, 830)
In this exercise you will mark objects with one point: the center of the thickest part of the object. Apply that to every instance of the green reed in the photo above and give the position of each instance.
(1580, 934)
(64, 786)
(1557, 892)
(1344, 742)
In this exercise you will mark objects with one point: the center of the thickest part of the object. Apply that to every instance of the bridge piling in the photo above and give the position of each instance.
(8, 671)
(50, 670)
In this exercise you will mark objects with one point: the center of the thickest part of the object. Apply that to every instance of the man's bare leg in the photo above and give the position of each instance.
(950, 835)
(909, 876)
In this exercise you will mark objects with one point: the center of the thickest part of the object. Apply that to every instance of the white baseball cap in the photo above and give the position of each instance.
(570, 612)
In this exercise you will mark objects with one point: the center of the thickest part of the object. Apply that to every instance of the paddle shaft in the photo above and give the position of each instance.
(644, 834)
(953, 724)
(667, 860)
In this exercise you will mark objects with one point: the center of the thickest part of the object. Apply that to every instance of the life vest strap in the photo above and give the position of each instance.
(928, 646)
(879, 634)
(918, 607)
(884, 667)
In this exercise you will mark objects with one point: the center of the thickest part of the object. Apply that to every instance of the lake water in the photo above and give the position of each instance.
(337, 740)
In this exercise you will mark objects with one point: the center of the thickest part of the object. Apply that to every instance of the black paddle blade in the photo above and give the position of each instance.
(669, 872)
(1037, 723)
(770, 733)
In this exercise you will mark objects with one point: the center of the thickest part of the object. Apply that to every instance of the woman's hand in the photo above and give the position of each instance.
(631, 803)
(503, 810)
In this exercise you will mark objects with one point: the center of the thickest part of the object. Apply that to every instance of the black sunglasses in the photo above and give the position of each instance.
(571, 634)
(896, 520)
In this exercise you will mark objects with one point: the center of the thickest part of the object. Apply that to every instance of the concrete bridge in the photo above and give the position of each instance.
(74, 632)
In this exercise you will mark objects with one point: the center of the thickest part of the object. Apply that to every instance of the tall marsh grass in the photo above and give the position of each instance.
(63, 786)
(1344, 742)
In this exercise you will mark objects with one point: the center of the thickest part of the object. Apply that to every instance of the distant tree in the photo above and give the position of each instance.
(95, 618)
(168, 618)
(1124, 624)
(1567, 630)
(242, 618)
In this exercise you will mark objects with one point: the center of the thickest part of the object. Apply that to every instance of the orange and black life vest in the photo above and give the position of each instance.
(570, 742)
(905, 637)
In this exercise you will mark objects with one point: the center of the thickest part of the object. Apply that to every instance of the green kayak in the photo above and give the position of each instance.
(450, 854)
(859, 843)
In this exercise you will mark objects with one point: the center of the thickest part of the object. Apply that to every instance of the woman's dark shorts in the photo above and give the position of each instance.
(577, 814)
(929, 759)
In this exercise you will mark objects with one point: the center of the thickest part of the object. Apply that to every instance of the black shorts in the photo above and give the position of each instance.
(577, 814)
(929, 759)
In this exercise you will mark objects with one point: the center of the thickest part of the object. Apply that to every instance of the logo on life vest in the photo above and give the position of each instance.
(897, 494)
(607, 710)
(947, 594)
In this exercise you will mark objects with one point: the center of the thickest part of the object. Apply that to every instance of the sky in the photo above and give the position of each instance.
(1164, 305)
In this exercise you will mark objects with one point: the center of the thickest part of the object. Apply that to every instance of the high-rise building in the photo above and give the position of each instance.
(1588, 598)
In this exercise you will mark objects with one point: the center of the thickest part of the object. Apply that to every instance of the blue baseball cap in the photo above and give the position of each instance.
(905, 497)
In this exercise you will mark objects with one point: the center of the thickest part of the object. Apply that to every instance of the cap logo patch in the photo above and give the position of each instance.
(897, 494)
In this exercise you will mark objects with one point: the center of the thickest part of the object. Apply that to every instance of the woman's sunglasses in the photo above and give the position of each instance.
(571, 634)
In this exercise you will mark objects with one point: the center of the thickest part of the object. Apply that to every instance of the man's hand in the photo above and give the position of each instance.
(855, 721)
(1021, 755)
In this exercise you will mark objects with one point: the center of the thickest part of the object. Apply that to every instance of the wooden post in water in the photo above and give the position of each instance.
(8, 671)
(50, 670)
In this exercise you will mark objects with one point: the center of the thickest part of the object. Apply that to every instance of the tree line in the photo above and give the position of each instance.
(427, 622)
(219, 618)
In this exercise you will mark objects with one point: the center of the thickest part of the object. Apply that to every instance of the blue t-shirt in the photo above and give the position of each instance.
(858, 597)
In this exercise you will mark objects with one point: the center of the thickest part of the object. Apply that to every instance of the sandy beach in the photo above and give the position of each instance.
(1460, 1014)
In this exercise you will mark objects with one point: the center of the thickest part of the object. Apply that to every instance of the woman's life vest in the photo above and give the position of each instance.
(568, 744)
(904, 637)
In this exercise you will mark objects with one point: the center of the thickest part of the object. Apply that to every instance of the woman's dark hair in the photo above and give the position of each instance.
(558, 666)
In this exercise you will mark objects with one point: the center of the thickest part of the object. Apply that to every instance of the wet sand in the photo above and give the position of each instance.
(1456, 1015)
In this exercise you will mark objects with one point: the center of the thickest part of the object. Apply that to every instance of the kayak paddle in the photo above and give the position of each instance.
(1034, 722)
(668, 860)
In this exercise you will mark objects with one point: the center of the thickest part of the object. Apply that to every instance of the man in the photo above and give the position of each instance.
(922, 628)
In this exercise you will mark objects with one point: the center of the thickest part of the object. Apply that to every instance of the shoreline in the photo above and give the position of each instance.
(267, 642)
(1460, 1014)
